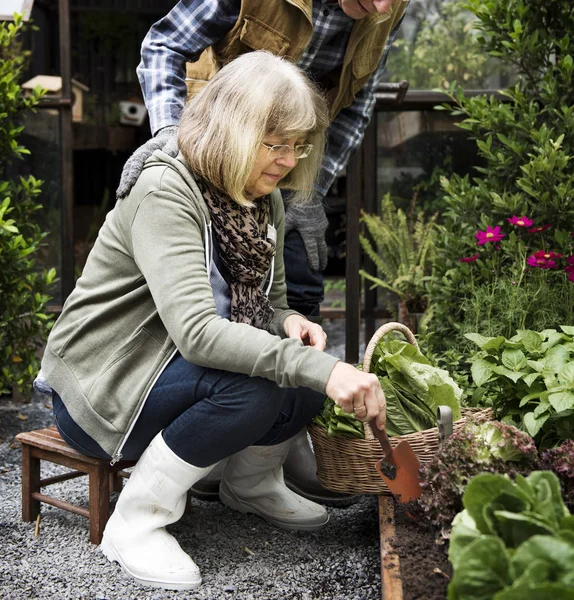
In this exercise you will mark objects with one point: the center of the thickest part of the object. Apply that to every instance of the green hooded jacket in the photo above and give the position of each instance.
(145, 294)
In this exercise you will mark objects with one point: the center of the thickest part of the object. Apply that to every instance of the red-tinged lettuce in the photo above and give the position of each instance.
(560, 460)
(491, 447)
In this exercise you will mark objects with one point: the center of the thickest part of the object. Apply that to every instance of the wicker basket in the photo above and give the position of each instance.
(348, 464)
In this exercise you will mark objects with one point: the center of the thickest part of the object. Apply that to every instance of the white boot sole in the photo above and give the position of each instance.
(229, 499)
(112, 555)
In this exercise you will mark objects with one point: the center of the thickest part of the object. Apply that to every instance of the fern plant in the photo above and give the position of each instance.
(402, 248)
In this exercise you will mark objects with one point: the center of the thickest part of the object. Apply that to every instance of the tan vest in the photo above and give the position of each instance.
(284, 27)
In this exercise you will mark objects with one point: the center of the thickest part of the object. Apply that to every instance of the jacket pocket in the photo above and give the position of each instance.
(365, 63)
(259, 36)
(120, 384)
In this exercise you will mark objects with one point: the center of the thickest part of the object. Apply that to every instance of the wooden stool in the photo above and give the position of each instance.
(46, 444)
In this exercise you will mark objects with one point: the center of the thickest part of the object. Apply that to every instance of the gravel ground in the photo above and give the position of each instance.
(240, 556)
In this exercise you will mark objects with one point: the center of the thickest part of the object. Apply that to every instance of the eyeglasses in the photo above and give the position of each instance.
(282, 150)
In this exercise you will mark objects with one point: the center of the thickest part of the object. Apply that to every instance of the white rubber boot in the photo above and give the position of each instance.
(135, 536)
(253, 483)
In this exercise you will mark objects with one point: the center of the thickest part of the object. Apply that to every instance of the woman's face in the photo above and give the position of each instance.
(270, 169)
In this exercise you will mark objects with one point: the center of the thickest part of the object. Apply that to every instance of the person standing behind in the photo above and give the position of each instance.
(343, 47)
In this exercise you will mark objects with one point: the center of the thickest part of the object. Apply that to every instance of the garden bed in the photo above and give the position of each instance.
(414, 567)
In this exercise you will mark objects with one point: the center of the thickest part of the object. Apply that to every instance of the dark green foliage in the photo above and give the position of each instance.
(527, 143)
(23, 290)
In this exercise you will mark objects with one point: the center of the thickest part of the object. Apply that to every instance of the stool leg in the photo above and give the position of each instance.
(99, 499)
(30, 484)
(116, 482)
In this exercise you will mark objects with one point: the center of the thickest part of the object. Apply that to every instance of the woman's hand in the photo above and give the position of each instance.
(311, 334)
(357, 392)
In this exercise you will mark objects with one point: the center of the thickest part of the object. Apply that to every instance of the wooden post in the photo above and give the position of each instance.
(30, 484)
(99, 500)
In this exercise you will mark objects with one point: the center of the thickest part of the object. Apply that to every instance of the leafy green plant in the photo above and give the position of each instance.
(513, 540)
(23, 321)
(520, 206)
(413, 388)
(338, 422)
(530, 378)
(402, 250)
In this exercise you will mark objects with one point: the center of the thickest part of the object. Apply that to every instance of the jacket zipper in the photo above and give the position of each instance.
(117, 456)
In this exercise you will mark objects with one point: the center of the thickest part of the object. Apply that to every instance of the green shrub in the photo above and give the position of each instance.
(23, 290)
(497, 272)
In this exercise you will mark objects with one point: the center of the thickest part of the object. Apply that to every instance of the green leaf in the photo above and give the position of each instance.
(481, 491)
(530, 378)
(483, 570)
(556, 553)
(516, 527)
(561, 401)
(504, 371)
(543, 591)
(534, 424)
(568, 329)
(514, 359)
(532, 340)
(481, 371)
(479, 340)
(566, 375)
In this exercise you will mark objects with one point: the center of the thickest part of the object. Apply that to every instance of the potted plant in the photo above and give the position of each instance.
(401, 246)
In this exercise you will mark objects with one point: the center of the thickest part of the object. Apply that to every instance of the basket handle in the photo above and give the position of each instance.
(382, 331)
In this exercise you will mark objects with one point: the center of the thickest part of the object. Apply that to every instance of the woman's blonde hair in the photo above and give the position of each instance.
(254, 96)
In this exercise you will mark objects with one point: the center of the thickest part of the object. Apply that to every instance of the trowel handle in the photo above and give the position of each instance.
(381, 435)
(444, 422)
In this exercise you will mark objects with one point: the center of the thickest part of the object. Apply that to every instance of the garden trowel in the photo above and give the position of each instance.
(399, 468)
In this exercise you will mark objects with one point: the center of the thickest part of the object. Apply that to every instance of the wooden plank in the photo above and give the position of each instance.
(78, 510)
(391, 582)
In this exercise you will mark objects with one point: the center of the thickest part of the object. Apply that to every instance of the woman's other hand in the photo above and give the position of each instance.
(311, 334)
(357, 392)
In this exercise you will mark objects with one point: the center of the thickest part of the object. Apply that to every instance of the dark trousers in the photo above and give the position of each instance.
(305, 290)
(206, 415)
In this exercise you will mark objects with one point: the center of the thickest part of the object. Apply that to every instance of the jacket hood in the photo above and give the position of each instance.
(177, 164)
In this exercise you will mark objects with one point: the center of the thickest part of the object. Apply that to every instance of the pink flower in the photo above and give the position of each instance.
(520, 221)
(540, 262)
(570, 270)
(540, 228)
(547, 255)
(468, 259)
(570, 260)
(492, 234)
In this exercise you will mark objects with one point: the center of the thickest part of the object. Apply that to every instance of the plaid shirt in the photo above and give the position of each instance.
(194, 25)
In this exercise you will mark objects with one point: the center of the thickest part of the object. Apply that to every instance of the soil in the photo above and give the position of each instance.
(424, 567)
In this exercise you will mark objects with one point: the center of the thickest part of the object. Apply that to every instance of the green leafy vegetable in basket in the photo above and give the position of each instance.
(337, 422)
(413, 387)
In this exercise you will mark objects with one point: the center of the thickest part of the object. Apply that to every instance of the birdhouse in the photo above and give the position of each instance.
(53, 85)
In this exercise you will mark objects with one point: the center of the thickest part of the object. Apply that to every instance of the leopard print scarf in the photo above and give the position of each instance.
(246, 253)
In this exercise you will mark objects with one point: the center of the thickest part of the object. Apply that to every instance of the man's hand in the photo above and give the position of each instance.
(357, 9)
(311, 334)
(357, 392)
(165, 139)
(311, 222)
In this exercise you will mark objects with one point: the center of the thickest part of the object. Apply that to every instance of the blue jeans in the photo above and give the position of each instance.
(206, 415)
(305, 290)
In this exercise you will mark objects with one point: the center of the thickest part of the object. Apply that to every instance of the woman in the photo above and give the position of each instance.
(176, 347)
